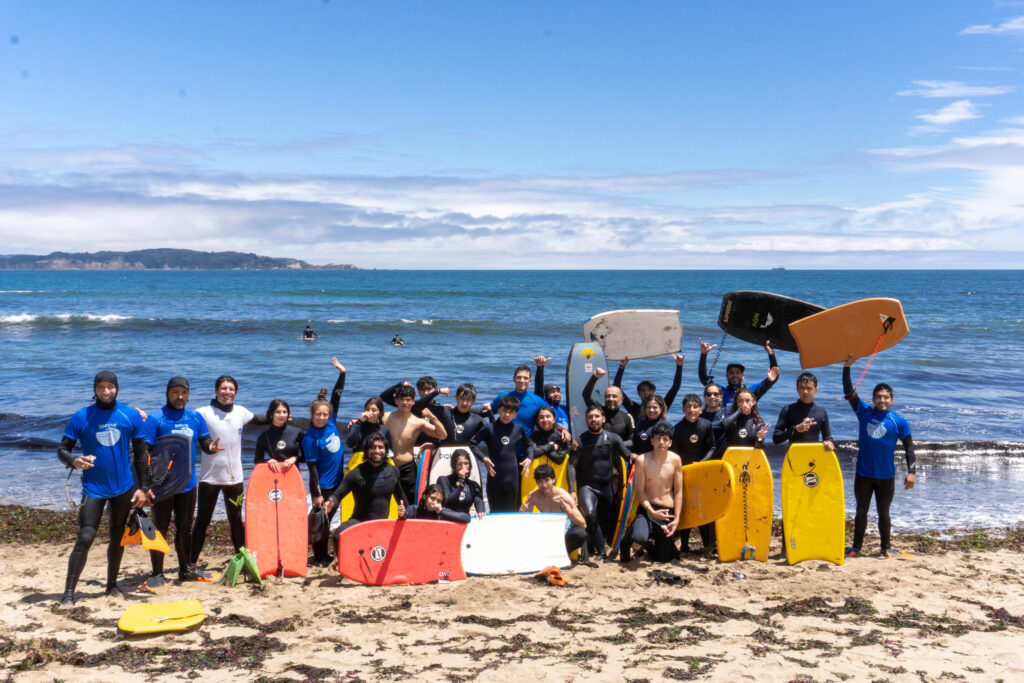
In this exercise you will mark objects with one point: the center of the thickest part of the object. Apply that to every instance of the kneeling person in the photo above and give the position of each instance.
(549, 498)
(660, 492)
(372, 483)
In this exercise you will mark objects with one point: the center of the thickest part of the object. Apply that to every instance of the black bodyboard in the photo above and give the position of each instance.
(757, 317)
(170, 465)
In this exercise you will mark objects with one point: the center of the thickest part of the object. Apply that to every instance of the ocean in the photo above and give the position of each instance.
(953, 376)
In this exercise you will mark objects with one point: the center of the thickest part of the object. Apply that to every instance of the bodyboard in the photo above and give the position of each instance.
(628, 505)
(385, 552)
(423, 469)
(441, 463)
(860, 328)
(635, 333)
(276, 529)
(348, 504)
(156, 617)
(514, 542)
(813, 506)
(584, 358)
(170, 465)
(759, 317)
(527, 483)
(745, 531)
(708, 489)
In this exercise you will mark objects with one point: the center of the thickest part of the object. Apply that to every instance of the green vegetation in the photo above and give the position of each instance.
(158, 259)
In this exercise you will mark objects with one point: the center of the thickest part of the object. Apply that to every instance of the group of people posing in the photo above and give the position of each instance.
(503, 436)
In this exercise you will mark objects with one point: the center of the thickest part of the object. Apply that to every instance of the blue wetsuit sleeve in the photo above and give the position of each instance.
(339, 389)
(677, 382)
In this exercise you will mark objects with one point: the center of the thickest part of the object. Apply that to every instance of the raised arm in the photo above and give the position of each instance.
(848, 391)
(702, 366)
(339, 387)
(677, 380)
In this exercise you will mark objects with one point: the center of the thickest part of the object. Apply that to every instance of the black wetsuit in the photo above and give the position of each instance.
(445, 515)
(549, 443)
(358, 432)
(461, 494)
(693, 441)
(617, 421)
(642, 436)
(596, 459)
(729, 391)
(372, 489)
(279, 443)
(465, 426)
(645, 529)
(636, 408)
(503, 442)
(741, 430)
(794, 414)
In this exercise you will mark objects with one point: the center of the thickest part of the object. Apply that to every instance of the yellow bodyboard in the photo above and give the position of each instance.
(745, 531)
(161, 616)
(348, 503)
(813, 504)
(707, 492)
(527, 483)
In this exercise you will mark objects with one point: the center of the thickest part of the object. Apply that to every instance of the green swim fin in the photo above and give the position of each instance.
(231, 572)
(249, 563)
(151, 538)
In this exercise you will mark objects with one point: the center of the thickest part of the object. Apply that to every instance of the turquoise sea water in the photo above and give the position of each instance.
(956, 376)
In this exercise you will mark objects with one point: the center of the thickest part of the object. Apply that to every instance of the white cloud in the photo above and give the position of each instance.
(1012, 26)
(954, 89)
(955, 112)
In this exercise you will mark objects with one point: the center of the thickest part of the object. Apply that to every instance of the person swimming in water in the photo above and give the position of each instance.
(309, 335)
(397, 340)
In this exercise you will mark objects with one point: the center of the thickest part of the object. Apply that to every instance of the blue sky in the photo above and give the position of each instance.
(519, 135)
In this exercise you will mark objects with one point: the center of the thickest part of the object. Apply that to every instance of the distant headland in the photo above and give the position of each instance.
(159, 259)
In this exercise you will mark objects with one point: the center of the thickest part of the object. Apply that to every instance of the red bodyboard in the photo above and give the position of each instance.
(276, 530)
(383, 552)
(423, 472)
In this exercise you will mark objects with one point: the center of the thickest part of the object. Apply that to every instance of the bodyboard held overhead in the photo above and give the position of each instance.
(759, 317)
(860, 328)
(637, 333)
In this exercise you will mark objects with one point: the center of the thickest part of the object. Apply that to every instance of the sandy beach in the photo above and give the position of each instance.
(955, 611)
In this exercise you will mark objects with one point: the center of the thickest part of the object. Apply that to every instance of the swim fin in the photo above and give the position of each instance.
(249, 564)
(243, 562)
(150, 537)
(131, 535)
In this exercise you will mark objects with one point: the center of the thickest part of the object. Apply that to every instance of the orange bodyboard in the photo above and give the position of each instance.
(276, 529)
(860, 327)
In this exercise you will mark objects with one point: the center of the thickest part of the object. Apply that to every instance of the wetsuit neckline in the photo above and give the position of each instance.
(221, 407)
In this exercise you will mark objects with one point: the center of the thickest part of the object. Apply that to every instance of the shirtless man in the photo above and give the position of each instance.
(660, 492)
(549, 498)
(405, 428)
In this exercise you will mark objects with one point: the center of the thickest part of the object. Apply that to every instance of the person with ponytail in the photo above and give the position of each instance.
(324, 453)
(744, 426)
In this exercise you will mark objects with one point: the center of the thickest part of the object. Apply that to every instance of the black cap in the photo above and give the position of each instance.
(105, 376)
(177, 381)
(548, 388)
(735, 365)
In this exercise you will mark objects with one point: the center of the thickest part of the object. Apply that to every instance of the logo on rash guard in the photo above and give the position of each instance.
(333, 443)
(876, 430)
(108, 434)
(504, 441)
(281, 445)
(743, 433)
(183, 429)
(643, 436)
(458, 429)
(693, 438)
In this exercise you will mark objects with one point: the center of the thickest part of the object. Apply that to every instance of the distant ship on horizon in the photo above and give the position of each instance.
(779, 268)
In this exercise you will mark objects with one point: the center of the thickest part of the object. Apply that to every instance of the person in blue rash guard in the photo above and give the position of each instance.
(175, 418)
(529, 402)
(324, 454)
(880, 431)
(734, 374)
(654, 411)
(598, 456)
(504, 439)
(110, 476)
(460, 493)
(552, 393)
(647, 388)
(370, 421)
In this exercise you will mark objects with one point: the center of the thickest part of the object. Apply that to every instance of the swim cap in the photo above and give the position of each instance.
(548, 388)
(735, 365)
(105, 376)
(177, 381)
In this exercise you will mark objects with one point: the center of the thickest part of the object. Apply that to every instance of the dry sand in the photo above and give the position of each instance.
(951, 615)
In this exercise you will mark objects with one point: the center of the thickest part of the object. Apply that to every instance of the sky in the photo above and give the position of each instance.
(476, 135)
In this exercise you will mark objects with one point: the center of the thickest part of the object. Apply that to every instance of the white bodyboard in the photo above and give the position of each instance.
(514, 543)
(635, 333)
(441, 463)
